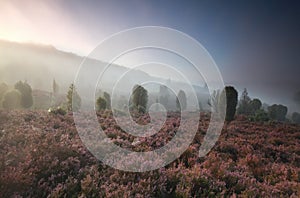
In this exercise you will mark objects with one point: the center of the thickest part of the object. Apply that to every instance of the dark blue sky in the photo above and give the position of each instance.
(256, 44)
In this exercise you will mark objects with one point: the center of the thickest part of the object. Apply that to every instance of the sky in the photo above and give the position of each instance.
(256, 44)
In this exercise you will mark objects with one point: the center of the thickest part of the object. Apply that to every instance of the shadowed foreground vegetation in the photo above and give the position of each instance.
(42, 155)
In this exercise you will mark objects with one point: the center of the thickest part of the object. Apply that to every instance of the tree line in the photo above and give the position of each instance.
(20, 96)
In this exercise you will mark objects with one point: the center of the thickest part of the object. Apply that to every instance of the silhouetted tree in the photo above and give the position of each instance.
(12, 99)
(101, 104)
(55, 88)
(54, 94)
(26, 94)
(181, 100)
(277, 112)
(73, 99)
(231, 96)
(140, 98)
(244, 103)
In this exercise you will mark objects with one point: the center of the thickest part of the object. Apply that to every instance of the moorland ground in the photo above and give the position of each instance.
(41, 155)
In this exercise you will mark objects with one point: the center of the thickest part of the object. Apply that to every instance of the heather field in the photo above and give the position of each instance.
(41, 155)
(162, 99)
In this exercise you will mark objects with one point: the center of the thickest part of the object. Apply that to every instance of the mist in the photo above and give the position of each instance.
(39, 65)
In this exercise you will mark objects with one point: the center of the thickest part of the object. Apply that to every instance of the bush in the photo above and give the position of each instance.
(277, 112)
(296, 118)
(140, 98)
(141, 109)
(107, 98)
(231, 101)
(58, 110)
(248, 106)
(26, 94)
(12, 100)
(260, 116)
(73, 99)
(255, 105)
(101, 104)
(181, 100)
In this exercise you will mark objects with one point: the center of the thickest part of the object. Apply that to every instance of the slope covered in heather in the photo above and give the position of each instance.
(41, 154)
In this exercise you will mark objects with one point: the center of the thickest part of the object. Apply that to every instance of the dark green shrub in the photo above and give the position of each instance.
(107, 98)
(141, 109)
(230, 95)
(247, 106)
(73, 99)
(255, 105)
(260, 116)
(296, 118)
(12, 100)
(181, 100)
(139, 98)
(26, 94)
(132, 108)
(277, 112)
(101, 104)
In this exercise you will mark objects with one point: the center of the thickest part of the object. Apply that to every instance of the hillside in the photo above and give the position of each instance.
(40, 64)
(41, 154)
(37, 64)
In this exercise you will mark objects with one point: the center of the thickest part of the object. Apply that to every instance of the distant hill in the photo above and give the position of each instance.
(40, 64)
